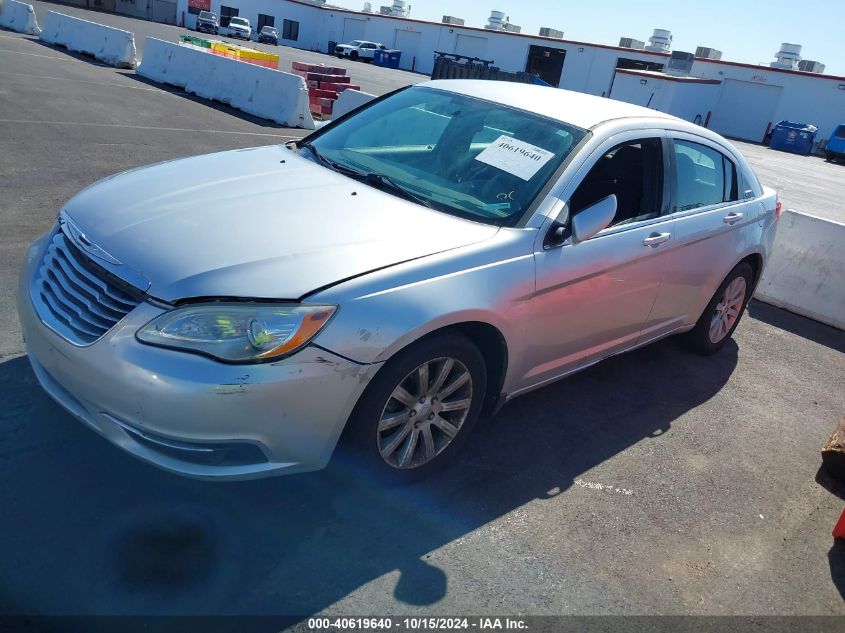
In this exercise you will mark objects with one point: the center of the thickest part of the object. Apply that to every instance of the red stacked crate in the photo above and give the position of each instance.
(324, 84)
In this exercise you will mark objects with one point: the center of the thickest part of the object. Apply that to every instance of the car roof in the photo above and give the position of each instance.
(575, 108)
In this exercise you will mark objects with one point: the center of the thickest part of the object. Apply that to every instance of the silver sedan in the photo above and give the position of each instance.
(379, 286)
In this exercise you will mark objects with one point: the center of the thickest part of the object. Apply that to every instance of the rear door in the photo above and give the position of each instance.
(712, 216)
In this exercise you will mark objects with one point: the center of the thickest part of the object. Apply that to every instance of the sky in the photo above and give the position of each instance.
(748, 31)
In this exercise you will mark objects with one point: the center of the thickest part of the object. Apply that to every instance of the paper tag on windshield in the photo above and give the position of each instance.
(515, 157)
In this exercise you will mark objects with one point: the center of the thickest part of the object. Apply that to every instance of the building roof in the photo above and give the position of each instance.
(575, 108)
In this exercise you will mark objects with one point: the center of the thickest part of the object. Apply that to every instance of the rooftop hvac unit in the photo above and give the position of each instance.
(383, 10)
(680, 64)
(630, 42)
(400, 9)
(368, 7)
(708, 53)
(809, 66)
(448, 19)
(787, 57)
(660, 41)
(549, 32)
(512, 28)
(496, 21)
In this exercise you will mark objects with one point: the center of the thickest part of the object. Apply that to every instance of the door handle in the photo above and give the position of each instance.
(656, 239)
(732, 218)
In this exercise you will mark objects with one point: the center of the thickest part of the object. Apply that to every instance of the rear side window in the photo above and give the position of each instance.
(704, 176)
(840, 132)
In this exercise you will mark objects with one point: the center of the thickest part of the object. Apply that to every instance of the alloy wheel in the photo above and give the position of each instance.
(424, 413)
(728, 310)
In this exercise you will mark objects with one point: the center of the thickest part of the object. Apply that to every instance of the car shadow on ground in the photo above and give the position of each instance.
(90, 530)
(801, 326)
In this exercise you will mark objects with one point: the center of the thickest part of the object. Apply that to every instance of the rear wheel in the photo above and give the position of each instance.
(419, 409)
(722, 315)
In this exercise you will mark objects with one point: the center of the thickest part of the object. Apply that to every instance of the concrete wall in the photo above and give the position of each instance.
(806, 271)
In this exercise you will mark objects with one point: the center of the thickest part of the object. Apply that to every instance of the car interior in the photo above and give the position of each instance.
(633, 172)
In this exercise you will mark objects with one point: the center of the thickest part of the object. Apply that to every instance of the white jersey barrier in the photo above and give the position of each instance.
(112, 46)
(806, 270)
(348, 100)
(18, 16)
(263, 92)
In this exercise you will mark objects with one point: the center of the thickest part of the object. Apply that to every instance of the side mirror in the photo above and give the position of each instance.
(595, 218)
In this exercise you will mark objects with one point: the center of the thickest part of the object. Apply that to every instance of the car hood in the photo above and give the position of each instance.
(257, 223)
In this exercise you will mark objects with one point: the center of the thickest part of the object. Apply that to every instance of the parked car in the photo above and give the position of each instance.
(238, 28)
(835, 148)
(474, 241)
(268, 35)
(359, 49)
(208, 22)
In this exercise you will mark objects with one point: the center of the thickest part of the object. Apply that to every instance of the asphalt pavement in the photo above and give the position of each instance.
(657, 482)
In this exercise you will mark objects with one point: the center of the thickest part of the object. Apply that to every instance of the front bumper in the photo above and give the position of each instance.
(189, 414)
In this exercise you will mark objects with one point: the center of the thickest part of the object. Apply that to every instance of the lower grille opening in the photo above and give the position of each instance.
(218, 454)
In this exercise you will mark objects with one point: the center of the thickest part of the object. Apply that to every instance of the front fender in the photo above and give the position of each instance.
(383, 312)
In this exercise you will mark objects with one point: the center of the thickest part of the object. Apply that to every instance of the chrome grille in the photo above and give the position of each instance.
(74, 297)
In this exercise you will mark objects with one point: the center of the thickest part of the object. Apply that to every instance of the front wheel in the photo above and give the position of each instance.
(722, 315)
(353, 56)
(419, 409)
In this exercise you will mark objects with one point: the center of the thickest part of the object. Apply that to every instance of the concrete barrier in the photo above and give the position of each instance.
(263, 92)
(18, 16)
(348, 100)
(112, 46)
(806, 271)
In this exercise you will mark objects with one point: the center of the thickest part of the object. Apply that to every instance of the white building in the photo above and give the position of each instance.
(735, 99)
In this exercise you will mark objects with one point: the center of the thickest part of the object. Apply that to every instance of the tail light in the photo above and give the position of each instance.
(778, 209)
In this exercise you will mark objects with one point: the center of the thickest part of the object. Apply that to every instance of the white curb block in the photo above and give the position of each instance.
(112, 46)
(18, 16)
(806, 270)
(263, 92)
(348, 100)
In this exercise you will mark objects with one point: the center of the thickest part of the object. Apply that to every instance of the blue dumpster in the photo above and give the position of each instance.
(797, 138)
(387, 58)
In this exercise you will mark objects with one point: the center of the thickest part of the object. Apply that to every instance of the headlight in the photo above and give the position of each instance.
(239, 332)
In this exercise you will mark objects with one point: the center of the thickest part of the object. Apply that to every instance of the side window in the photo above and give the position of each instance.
(290, 30)
(704, 176)
(633, 172)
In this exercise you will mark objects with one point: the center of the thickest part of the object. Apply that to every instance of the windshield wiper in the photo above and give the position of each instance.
(379, 181)
(386, 183)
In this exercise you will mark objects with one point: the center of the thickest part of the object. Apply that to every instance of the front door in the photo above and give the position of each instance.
(592, 298)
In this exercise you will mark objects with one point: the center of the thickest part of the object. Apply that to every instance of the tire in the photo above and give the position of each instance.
(354, 56)
(398, 444)
(706, 338)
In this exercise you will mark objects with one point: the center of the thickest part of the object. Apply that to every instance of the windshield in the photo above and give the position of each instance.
(355, 43)
(840, 132)
(462, 155)
(238, 22)
(205, 15)
(269, 30)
